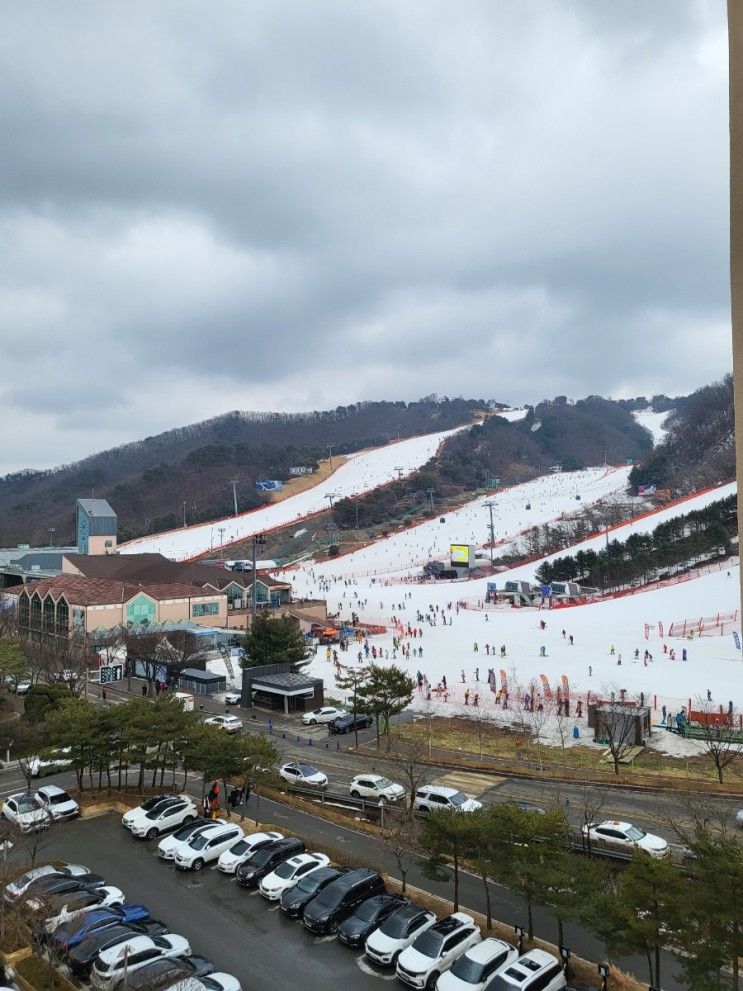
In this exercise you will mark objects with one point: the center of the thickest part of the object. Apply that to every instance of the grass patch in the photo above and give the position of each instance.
(35, 970)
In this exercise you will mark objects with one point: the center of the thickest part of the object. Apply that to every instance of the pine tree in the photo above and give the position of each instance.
(384, 693)
(275, 640)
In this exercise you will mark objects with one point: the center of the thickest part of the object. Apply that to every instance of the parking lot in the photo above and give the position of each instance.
(238, 930)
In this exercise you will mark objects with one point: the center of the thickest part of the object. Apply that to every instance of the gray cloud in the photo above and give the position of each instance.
(203, 203)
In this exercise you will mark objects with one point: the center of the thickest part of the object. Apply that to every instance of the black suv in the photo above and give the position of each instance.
(369, 916)
(350, 722)
(294, 900)
(251, 872)
(335, 903)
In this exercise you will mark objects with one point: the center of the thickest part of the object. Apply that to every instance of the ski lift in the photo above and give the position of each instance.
(528, 505)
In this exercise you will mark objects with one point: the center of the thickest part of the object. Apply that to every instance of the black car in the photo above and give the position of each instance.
(165, 973)
(251, 872)
(350, 722)
(54, 884)
(293, 900)
(369, 915)
(82, 957)
(340, 899)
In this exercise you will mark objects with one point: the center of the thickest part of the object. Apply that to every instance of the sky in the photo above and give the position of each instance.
(220, 205)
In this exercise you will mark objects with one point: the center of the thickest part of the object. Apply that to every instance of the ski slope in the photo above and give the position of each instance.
(360, 472)
(654, 423)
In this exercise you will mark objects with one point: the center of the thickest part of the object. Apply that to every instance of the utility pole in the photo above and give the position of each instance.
(51, 536)
(399, 471)
(430, 497)
(184, 514)
(233, 482)
(258, 541)
(331, 496)
(220, 531)
(330, 454)
(491, 527)
(356, 507)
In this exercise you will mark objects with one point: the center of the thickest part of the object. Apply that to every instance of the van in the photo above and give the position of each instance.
(339, 899)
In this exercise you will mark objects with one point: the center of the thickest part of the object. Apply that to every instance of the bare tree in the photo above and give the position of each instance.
(407, 760)
(616, 725)
(591, 802)
(399, 839)
(718, 735)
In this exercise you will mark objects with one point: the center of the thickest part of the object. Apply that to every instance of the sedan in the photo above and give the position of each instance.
(59, 884)
(369, 915)
(207, 846)
(171, 972)
(26, 812)
(169, 845)
(350, 722)
(135, 953)
(81, 958)
(62, 907)
(303, 775)
(626, 837)
(57, 802)
(325, 714)
(231, 724)
(231, 859)
(16, 888)
(289, 873)
(164, 817)
(68, 936)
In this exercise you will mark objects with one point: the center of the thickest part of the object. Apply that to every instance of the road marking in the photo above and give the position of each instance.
(366, 969)
(324, 939)
(471, 783)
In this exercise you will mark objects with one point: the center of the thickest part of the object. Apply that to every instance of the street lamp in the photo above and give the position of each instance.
(603, 969)
(489, 504)
(381, 812)
(520, 933)
(258, 541)
(566, 953)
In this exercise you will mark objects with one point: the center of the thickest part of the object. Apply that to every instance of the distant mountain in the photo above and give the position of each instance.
(147, 482)
(700, 447)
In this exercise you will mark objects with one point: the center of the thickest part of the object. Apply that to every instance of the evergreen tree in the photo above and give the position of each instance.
(275, 640)
(384, 693)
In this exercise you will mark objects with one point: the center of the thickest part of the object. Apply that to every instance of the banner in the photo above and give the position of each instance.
(660, 629)
(503, 681)
(647, 631)
(565, 687)
(546, 686)
(269, 485)
(736, 639)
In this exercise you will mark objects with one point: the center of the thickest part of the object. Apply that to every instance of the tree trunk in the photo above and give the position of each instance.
(488, 912)
(657, 966)
(530, 913)
(455, 862)
(560, 933)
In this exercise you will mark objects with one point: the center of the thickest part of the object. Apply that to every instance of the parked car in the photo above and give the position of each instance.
(436, 949)
(252, 871)
(367, 917)
(109, 968)
(304, 775)
(294, 900)
(739, 818)
(289, 873)
(232, 698)
(428, 798)
(206, 846)
(218, 981)
(140, 810)
(626, 837)
(54, 884)
(340, 899)
(396, 934)
(68, 936)
(15, 889)
(230, 724)
(375, 787)
(231, 859)
(168, 845)
(167, 815)
(81, 957)
(325, 714)
(57, 802)
(58, 759)
(536, 970)
(350, 722)
(60, 908)
(26, 812)
(474, 970)
(170, 973)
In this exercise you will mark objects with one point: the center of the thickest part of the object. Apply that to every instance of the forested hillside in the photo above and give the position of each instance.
(148, 481)
(700, 447)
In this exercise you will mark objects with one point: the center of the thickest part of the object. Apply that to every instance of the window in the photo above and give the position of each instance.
(205, 609)
(140, 610)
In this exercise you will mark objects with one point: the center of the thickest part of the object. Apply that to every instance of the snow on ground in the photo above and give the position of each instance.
(359, 473)
(654, 423)
(513, 415)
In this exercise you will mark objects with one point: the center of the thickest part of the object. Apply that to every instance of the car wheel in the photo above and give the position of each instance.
(188, 819)
(382, 800)
(395, 958)
(197, 864)
(312, 722)
(431, 982)
(151, 833)
(355, 794)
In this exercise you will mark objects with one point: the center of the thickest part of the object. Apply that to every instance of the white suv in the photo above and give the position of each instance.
(245, 847)
(624, 836)
(171, 814)
(26, 811)
(375, 787)
(534, 971)
(429, 798)
(397, 933)
(114, 964)
(207, 846)
(289, 873)
(57, 802)
(436, 949)
(475, 968)
(169, 845)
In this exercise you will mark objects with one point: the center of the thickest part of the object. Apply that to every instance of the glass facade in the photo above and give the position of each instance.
(205, 609)
(140, 610)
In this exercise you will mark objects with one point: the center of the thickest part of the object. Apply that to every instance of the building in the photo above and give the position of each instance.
(96, 527)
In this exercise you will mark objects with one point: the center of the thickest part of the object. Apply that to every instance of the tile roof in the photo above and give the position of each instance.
(82, 591)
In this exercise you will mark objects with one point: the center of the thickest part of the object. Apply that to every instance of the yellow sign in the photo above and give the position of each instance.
(460, 554)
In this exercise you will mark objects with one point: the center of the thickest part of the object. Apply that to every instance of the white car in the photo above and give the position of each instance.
(289, 873)
(73, 904)
(626, 837)
(232, 698)
(218, 981)
(375, 787)
(436, 949)
(474, 970)
(58, 759)
(26, 811)
(325, 714)
(231, 859)
(140, 811)
(169, 845)
(739, 818)
(125, 958)
(231, 724)
(429, 798)
(536, 970)
(207, 846)
(57, 802)
(397, 933)
(167, 815)
(303, 775)
(15, 889)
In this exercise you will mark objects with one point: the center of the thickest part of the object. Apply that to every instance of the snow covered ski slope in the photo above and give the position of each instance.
(360, 472)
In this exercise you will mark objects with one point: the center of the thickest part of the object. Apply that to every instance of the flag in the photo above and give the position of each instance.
(546, 686)
(565, 687)
(660, 629)
(647, 631)
(503, 681)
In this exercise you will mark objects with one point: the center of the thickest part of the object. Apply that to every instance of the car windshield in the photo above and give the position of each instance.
(368, 911)
(242, 846)
(635, 833)
(306, 770)
(328, 898)
(27, 805)
(309, 883)
(261, 857)
(396, 925)
(59, 799)
(467, 970)
(384, 783)
(198, 842)
(500, 983)
(185, 831)
(457, 798)
(429, 943)
(285, 870)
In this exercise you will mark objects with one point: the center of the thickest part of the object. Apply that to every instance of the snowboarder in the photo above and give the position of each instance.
(466, 696)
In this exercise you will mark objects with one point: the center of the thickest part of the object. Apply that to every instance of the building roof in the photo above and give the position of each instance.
(195, 674)
(152, 568)
(81, 591)
(283, 683)
(96, 507)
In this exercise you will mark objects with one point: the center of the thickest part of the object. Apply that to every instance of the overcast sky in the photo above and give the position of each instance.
(213, 206)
